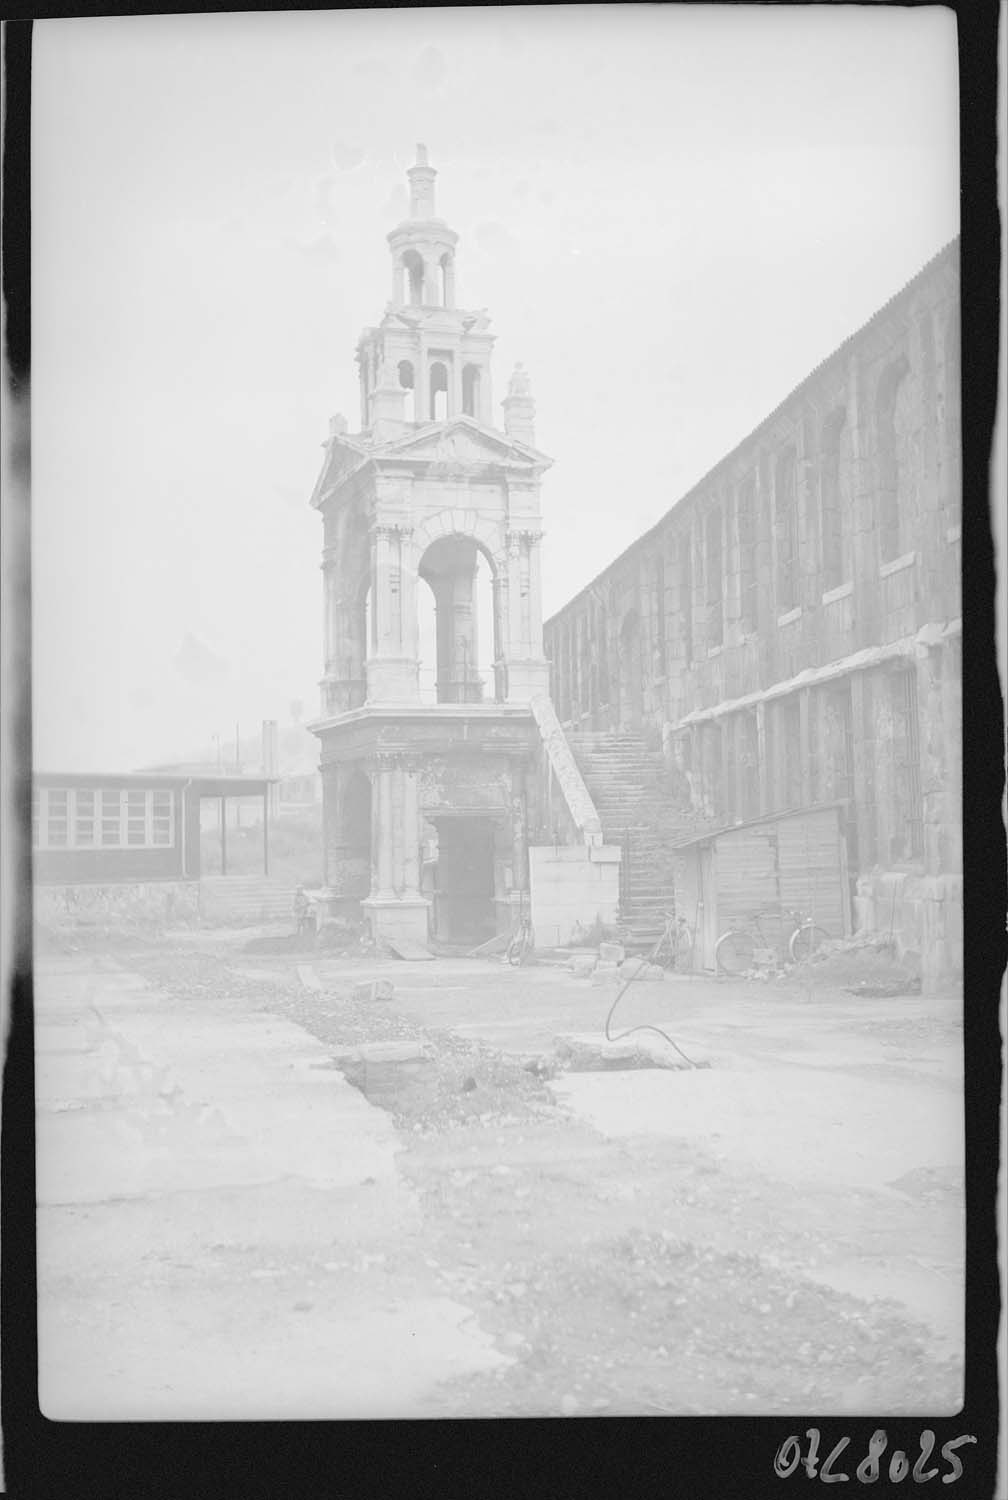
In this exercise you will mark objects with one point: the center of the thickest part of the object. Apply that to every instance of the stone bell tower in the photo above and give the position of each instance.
(422, 799)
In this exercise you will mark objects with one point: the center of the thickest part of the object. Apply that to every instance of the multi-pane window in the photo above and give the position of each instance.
(715, 578)
(84, 818)
(111, 818)
(745, 503)
(58, 819)
(786, 531)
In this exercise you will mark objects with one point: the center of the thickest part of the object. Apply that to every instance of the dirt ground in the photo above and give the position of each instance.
(779, 1231)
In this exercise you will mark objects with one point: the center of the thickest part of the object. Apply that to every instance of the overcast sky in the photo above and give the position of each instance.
(671, 214)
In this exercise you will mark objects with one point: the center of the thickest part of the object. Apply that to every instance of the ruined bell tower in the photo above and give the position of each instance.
(426, 802)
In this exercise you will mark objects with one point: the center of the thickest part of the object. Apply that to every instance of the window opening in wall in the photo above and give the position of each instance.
(413, 278)
(438, 392)
(686, 594)
(786, 531)
(908, 823)
(788, 741)
(584, 666)
(835, 561)
(714, 748)
(746, 511)
(83, 818)
(408, 383)
(57, 819)
(602, 646)
(891, 461)
(833, 758)
(749, 764)
(470, 390)
(658, 613)
(715, 578)
(729, 759)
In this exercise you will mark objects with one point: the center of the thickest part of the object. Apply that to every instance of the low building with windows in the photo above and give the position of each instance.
(790, 632)
(114, 840)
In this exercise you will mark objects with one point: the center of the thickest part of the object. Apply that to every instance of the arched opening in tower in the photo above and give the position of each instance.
(470, 390)
(462, 640)
(407, 381)
(413, 278)
(438, 392)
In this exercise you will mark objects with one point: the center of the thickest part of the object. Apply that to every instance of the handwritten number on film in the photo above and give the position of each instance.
(789, 1456)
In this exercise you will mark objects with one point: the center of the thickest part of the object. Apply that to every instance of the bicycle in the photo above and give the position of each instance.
(676, 940)
(521, 943)
(742, 949)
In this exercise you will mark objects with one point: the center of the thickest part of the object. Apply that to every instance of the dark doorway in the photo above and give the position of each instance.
(465, 880)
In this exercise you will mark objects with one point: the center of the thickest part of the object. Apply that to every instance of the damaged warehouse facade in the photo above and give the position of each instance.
(788, 637)
(434, 792)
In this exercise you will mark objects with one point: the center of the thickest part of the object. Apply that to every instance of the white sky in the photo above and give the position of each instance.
(671, 214)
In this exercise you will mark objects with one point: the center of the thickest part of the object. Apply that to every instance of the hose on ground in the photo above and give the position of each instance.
(620, 1036)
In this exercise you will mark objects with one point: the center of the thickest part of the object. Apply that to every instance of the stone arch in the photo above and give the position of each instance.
(457, 522)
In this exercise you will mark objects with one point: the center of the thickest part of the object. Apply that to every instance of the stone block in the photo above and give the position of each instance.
(605, 973)
(374, 989)
(639, 970)
(582, 964)
(391, 1052)
(613, 953)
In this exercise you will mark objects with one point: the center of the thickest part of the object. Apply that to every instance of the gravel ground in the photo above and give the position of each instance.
(620, 1277)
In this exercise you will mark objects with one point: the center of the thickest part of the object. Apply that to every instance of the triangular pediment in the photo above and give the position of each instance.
(342, 458)
(463, 441)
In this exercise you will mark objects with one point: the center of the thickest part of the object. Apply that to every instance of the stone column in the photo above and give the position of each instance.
(396, 790)
(421, 384)
(515, 639)
(381, 832)
(465, 645)
(411, 832)
(455, 386)
(392, 671)
(535, 593)
(395, 908)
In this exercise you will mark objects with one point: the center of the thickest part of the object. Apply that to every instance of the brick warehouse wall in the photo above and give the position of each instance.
(789, 630)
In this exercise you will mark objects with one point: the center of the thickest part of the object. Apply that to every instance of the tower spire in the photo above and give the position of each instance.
(421, 177)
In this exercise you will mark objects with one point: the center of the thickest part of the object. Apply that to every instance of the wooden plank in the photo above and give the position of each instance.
(403, 948)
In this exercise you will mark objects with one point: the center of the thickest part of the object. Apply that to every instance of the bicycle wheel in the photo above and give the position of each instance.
(806, 940)
(734, 952)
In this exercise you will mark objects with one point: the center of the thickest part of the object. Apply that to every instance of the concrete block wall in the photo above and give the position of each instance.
(164, 903)
(572, 887)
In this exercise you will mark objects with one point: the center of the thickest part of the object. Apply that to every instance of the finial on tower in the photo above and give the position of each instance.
(519, 408)
(519, 384)
(421, 177)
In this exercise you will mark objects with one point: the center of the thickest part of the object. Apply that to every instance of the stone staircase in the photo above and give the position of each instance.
(628, 785)
(245, 900)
